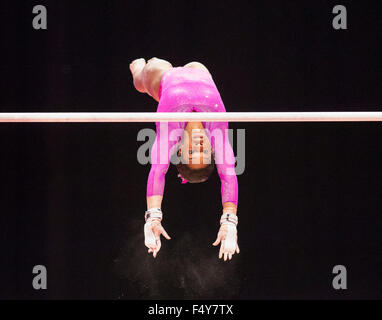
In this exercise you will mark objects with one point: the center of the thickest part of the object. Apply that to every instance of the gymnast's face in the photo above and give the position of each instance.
(197, 151)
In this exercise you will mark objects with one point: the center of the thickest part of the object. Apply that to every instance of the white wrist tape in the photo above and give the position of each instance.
(153, 213)
(228, 218)
(230, 242)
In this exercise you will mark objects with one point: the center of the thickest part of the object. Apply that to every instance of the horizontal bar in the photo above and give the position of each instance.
(189, 116)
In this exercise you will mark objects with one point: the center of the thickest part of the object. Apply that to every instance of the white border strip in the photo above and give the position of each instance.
(190, 116)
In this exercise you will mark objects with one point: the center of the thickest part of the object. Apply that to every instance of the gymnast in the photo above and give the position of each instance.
(187, 89)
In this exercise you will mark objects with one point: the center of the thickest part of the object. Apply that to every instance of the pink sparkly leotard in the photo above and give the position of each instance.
(184, 89)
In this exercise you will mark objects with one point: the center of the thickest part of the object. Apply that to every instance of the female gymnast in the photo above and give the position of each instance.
(187, 89)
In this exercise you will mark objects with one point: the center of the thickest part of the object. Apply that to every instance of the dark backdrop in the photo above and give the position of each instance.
(73, 195)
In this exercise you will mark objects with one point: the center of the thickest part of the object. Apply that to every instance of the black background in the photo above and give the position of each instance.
(73, 195)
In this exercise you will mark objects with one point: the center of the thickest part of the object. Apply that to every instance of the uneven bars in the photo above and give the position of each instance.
(189, 116)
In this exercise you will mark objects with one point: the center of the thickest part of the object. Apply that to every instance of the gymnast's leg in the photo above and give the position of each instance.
(147, 76)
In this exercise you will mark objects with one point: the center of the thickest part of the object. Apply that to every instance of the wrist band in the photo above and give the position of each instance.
(229, 217)
(153, 213)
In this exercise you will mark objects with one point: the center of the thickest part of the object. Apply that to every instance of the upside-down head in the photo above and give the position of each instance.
(197, 161)
(195, 175)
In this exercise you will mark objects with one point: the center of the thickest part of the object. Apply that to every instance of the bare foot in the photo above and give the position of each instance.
(136, 68)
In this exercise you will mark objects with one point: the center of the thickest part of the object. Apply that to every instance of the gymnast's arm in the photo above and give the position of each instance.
(229, 187)
(225, 164)
(157, 175)
(155, 185)
(160, 162)
(163, 147)
(227, 235)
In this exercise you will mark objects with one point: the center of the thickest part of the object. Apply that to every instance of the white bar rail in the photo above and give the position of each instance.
(189, 116)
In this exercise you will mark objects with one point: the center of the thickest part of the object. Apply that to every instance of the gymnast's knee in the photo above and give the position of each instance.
(154, 67)
(152, 73)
